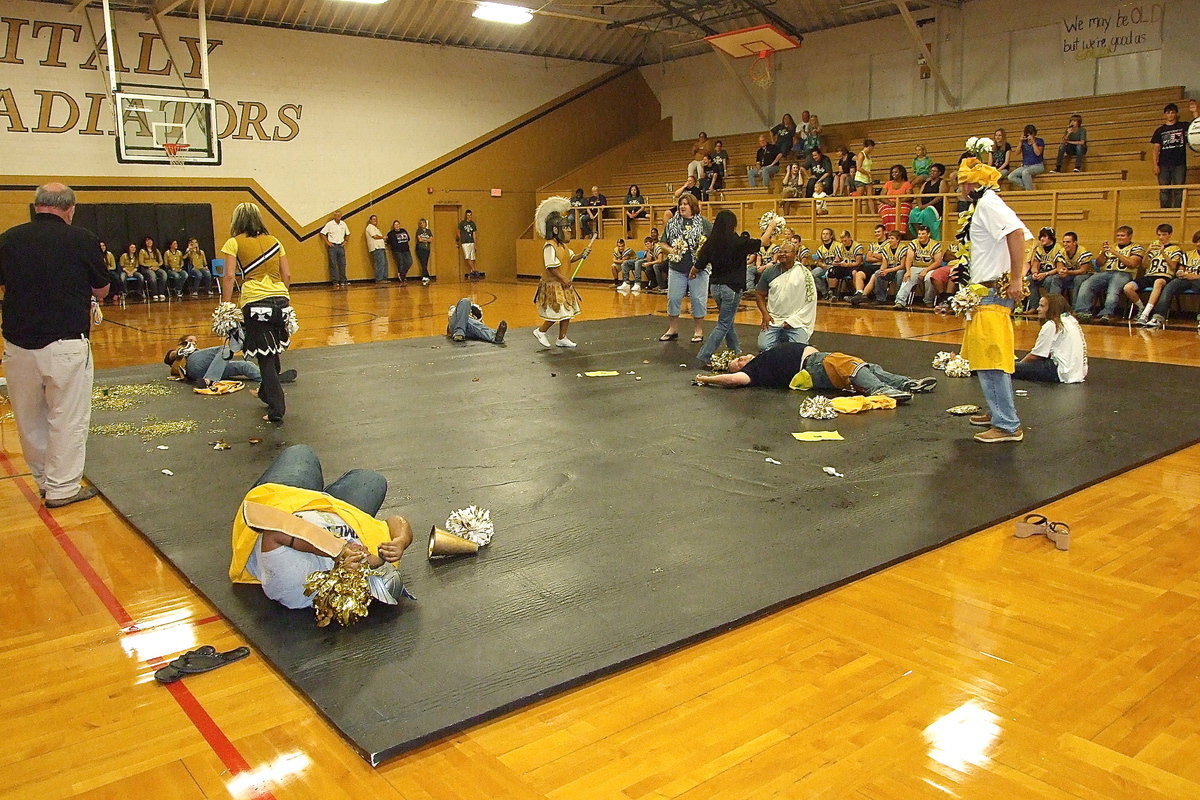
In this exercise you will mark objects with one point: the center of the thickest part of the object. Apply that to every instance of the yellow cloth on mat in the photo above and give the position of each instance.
(988, 341)
(818, 436)
(602, 373)
(853, 405)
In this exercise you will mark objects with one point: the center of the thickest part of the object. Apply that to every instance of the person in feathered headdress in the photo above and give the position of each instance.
(991, 257)
(556, 298)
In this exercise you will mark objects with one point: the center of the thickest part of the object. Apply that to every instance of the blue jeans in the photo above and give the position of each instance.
(678, 284)
(337, 263)
(176, 278)
(997, 384)
(818, 273)
(727, 305)
(198, 278)
(773, 336)
(1023, 176)
(1170, 176)
(1177, 285)
(869, 378)
(630, 271)
(766, 173)
(1108, 284)
(882, 281)
(1043, 370)
(904, 295)
(1058, 284)
(298, 466)
(379, 263)
(462, 322)
(216, 364)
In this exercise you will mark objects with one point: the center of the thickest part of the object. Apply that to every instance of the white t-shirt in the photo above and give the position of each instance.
(1066, 348)
(992, 222)
(372, 243)
(792, 299)
(336, 232)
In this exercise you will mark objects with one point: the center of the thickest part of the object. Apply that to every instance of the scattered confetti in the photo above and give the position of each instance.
(645, 361)
(833, 473)
(163, 447)
(256, 440)
(638, 378)
(122, 397)
(1021, 393)
(151, 428)
(167, 472)
(770, 460)
(220, 444)
(474, 380)
(553, 374)
(683, 365)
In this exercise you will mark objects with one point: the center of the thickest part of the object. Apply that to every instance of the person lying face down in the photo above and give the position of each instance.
(798, 366)
(290, 524)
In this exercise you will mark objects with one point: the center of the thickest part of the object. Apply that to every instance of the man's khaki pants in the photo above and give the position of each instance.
(51, 394)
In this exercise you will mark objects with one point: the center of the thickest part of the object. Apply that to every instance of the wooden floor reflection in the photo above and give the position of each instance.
(993, 667)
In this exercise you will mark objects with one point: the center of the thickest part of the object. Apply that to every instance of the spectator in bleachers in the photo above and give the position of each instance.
(116, 283)
(1033, 162)
(1045, 260)
(844, 175)
(1170, 155)
(810, 138)
(1001, 153)
(130, 273)
(699, 150)
(783, 135)
(920, 167)
(720, 159)
(791, 182)
(823, 260)
(653, 235)
(941, 279)
(1119, 264)
(196, 264)
(690, 186)
(710, 178)
(802, 133)
(1163, 260)
(650, 261)
(864, 183)
(848, 267)
(894, 213)
(893, 270)
(1187, 278)
(594, 211)
(578, 216)
(1060, 353)
(767, 160)
(635, 207)
(176, 273)
(928, 211)
(1074, 143)
(681, 240)
(150, 262)
(820, 173)
(624, 267)
(926, 257)
(1077, 264)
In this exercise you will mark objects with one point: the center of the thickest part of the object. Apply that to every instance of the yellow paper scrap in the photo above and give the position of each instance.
(602, 373)
(819, 436)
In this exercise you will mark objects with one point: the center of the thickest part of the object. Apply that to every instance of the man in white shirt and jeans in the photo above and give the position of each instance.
(995, 240)
(787, 300)
(334, 235)
(377, 249)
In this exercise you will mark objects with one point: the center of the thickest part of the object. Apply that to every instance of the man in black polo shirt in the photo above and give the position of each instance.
(50, 272)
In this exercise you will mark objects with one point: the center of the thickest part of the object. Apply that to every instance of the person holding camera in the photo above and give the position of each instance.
(1074, 143)
(1032, 160)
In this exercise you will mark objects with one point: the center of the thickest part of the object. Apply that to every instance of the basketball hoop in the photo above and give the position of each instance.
(760, 70)
(176, 153)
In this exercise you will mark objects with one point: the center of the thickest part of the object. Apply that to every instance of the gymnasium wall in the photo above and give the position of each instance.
(314, 122)
(992, 52)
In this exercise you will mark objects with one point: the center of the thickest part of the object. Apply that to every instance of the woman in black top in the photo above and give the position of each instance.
(725, 251)
(634, 207)
(929, 209)
(845, 169)
(784, 134)
(424, 237)
(398, 243)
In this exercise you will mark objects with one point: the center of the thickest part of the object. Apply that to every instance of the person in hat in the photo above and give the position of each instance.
(801, 366)
(291, 524)
(556, 298)
(464, 321)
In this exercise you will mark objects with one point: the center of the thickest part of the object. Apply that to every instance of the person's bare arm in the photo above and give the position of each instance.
(760, 299)
(1157, 153)
(285, 272)
(1016, 260)
(227, 280)
(728, 381)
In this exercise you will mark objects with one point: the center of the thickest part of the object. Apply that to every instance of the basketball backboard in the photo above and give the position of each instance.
(155, 128)
(752, 41)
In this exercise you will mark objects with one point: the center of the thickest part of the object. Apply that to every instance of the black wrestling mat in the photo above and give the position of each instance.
(632, 516)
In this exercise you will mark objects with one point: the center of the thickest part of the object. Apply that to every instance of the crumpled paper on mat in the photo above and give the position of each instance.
(818, 436)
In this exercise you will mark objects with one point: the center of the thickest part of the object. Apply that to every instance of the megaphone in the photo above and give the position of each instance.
(443, 544)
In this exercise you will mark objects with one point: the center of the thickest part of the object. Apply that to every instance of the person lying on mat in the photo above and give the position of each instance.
(212, 364)
(290, 525)
(799, 366)
(464, 321)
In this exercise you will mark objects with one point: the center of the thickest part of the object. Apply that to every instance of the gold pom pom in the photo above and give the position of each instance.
(340, 593)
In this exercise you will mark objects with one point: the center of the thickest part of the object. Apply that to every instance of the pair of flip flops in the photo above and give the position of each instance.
(202, 659)
(1038, 525)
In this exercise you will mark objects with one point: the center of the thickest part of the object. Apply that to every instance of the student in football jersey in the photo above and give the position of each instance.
(849, 263)
(1163, 259)
(1118, 265)
(926, 257)
(1044, 261)
(1187, 276)
(894, 268)
(823, 258)
(1077, 264)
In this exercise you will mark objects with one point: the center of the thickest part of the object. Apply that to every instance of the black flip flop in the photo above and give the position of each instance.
(668, 337)
(202, 659)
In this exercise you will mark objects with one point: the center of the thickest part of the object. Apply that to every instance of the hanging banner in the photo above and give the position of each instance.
(1101, 30)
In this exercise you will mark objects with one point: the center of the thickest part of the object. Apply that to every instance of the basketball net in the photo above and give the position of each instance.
(176, 153)
(760, 70)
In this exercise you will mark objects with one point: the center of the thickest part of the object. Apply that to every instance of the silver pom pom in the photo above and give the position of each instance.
(818, 407)
(472, 523)
(958, 367)
(942, 359)
(963, 301)
(765, 220)
(290, 321)
(226, 318)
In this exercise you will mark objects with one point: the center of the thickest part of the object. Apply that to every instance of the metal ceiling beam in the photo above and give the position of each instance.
(775, 19)
(683, 11)
(911, 24)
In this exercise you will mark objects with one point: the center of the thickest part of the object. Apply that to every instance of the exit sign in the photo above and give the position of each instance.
(497, 192)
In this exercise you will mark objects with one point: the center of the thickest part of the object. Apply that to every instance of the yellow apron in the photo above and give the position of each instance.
(988, 341)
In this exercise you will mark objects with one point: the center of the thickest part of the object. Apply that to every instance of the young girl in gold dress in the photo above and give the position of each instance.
(556, 298)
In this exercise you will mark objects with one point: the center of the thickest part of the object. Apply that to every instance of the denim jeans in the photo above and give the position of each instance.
(630, 271)
(176, 278)
(215, 364)
(379, 263)
(1023, 176)
(869, 378)
(298, 466)
(1077, 150)
(156, 280)
(1177, 285)
(678, 284)
(403, 263)
(1043, 370)
(904, 295)
(462, 322)
(997, 384)
(1171, 176)
(198, 278)
(337, 263)
(727, 305)
(1107, 283)
(773, 336)
(1058, 284)
(883, 281)
(1035, 294)
(766, 173)
(818, 273)
(423, 258)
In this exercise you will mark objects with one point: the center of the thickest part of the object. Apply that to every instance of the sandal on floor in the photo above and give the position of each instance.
(1032, 525)
(668, 337)
(1060, 534)
(202, 659)
(220, 387)
(697, 339)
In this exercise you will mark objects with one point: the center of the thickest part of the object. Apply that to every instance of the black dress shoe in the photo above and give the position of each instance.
(501, 329)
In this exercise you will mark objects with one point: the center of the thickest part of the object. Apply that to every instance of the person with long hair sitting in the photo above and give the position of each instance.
(1060, 353)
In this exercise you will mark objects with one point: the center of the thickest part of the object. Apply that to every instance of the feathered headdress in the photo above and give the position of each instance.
(551, 205)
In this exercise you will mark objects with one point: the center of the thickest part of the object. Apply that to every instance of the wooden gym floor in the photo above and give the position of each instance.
(993, 667)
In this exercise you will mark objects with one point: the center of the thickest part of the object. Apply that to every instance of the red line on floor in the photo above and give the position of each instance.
(208, 728)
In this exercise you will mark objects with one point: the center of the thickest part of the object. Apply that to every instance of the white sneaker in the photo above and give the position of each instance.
(565, 343)
(624, 287)
(541, 336)
(425, 282)
(637, 287)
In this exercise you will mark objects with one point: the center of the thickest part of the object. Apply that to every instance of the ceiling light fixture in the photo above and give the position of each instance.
(502, 12)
